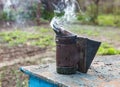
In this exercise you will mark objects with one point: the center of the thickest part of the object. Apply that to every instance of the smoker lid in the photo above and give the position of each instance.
(66, 39)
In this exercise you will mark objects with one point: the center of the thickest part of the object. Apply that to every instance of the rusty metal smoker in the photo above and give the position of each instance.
(73, 53)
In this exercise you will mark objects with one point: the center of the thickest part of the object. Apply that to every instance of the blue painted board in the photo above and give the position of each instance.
(37, 82)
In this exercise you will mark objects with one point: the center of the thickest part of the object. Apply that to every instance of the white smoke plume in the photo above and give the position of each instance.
(68, 7)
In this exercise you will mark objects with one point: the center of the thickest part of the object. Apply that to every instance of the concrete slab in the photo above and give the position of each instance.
(104, 72)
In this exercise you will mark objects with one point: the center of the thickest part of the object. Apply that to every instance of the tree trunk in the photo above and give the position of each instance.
(38, 13)
(96, 11)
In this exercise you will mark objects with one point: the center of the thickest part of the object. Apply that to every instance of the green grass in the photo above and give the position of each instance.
(106, 49)
(42, 38)
(88, 32)
(109, 20)
(45, 38)
(102, 20)
(84, 31)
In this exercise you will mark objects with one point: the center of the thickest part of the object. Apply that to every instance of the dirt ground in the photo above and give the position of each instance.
(17, 52)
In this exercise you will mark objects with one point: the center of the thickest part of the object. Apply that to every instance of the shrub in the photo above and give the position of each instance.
(47, 15)
(106, 49)
(111, 51)
(108, 20)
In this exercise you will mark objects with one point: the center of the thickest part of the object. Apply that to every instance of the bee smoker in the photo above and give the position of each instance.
(74, 53)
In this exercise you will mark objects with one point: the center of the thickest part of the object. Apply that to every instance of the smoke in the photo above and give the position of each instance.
(18, 10)
(68, 8)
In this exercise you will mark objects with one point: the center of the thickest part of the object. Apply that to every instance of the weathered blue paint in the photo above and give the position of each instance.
(35, 81)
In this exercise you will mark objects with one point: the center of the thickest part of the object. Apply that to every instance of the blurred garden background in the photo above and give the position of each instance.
(97, 12)
(26, 37)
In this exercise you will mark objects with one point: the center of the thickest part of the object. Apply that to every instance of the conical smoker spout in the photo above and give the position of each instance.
(87, 50)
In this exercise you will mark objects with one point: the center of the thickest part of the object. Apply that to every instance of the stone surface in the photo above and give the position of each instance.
(104, 72)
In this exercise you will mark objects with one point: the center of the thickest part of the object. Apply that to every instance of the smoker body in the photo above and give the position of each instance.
(66, 54)
(74, 54)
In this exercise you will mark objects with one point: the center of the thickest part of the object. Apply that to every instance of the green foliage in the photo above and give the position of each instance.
(44, 42)
(59, 14)
(118, 51)
(42, 38)
(7, 17)
(106, 20)
(103, 20)
(106, 49)
(47, 15)
(14, 38)
(112, 51)
(3, 16)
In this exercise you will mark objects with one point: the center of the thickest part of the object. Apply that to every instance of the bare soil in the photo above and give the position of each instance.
(17, 52)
